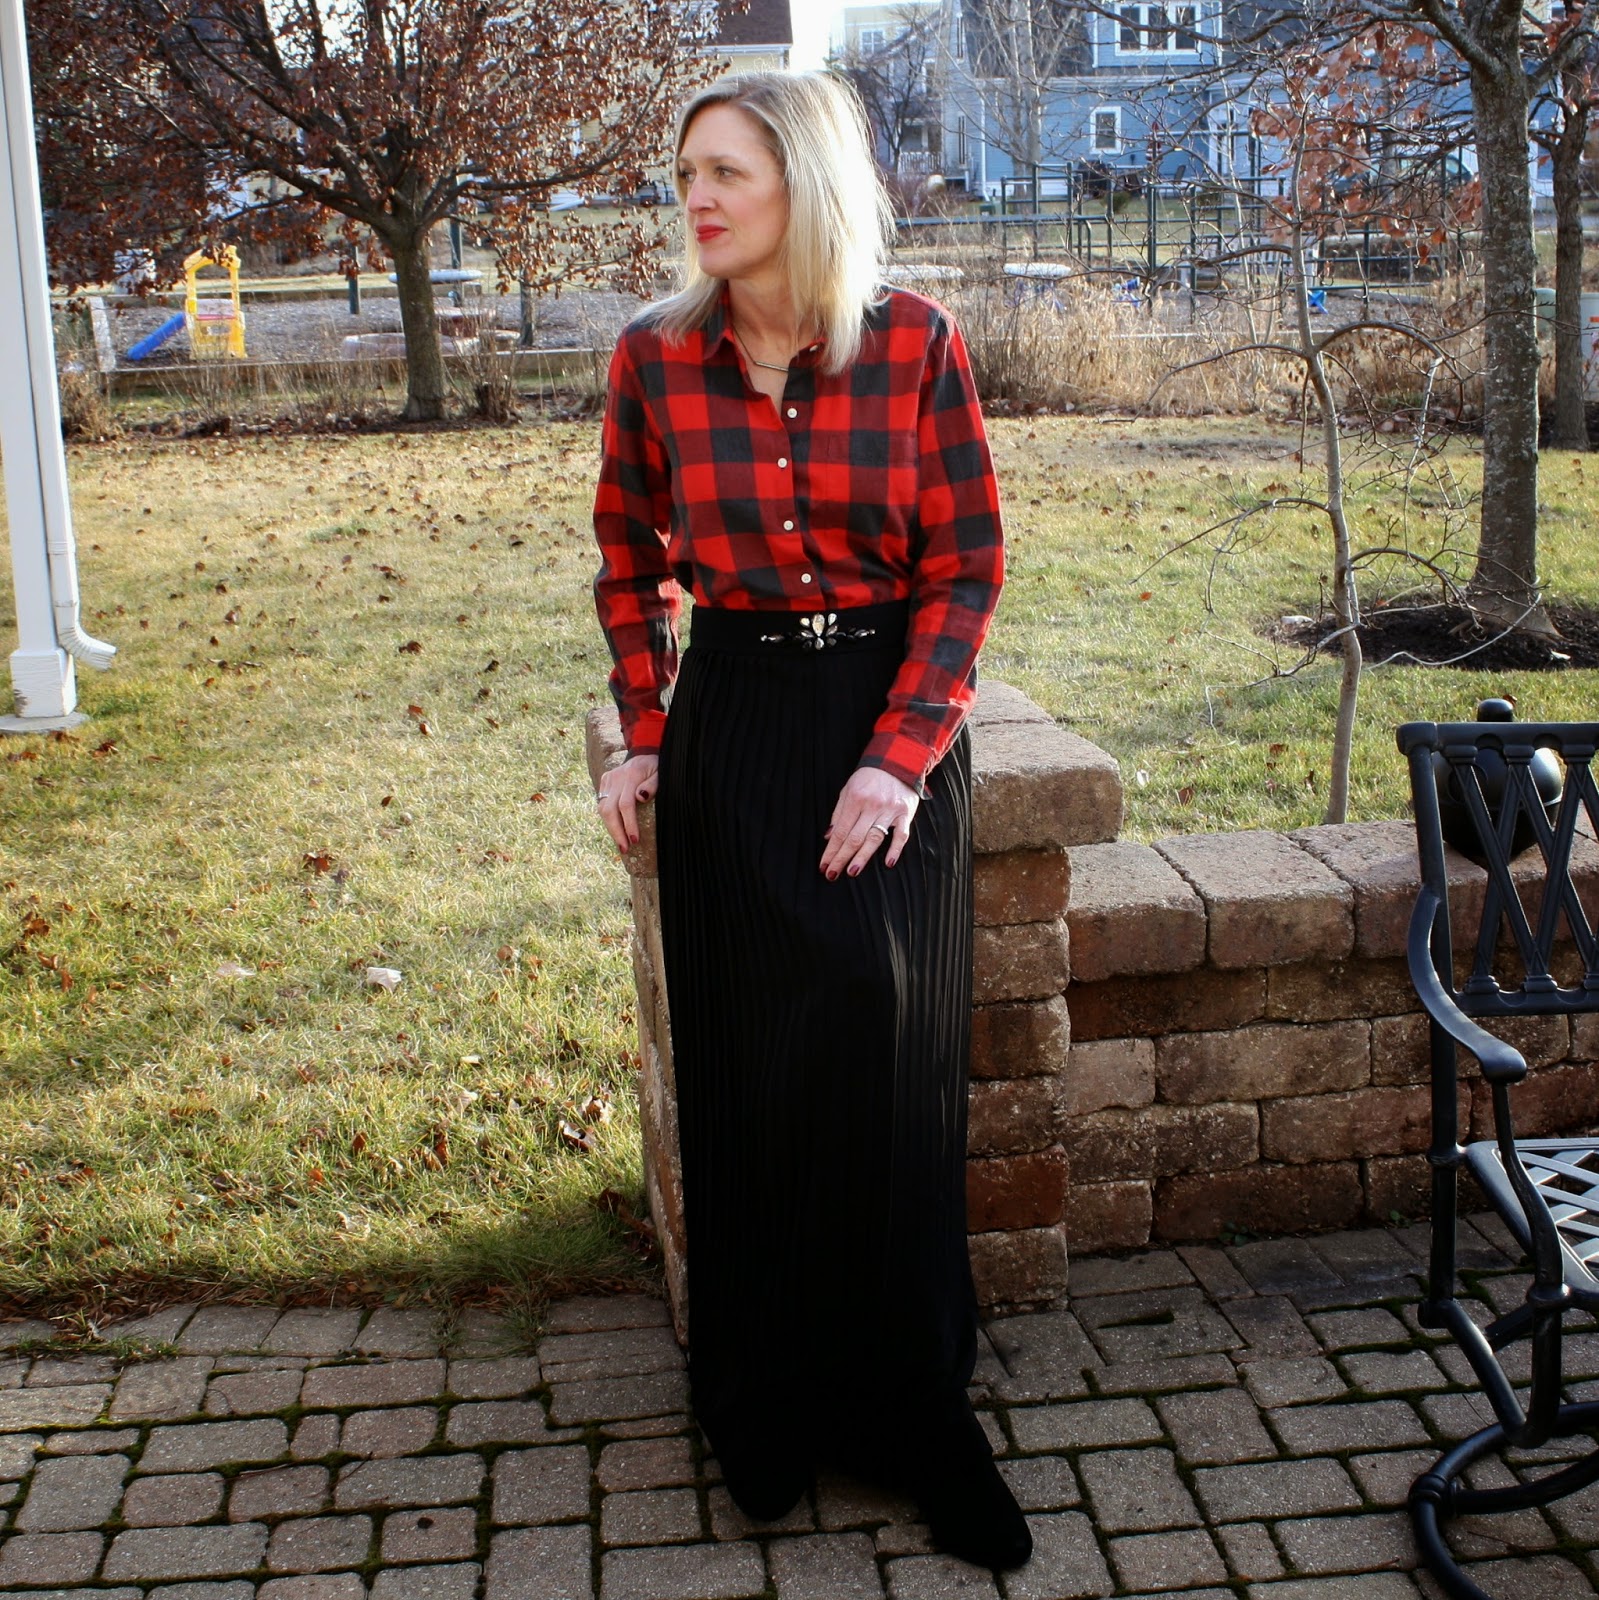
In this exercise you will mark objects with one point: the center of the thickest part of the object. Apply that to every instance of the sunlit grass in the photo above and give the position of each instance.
(255, 794)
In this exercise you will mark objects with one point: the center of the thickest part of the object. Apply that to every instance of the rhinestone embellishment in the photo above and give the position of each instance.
(818, 631)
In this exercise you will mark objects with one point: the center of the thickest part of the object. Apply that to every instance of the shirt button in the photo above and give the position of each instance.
(788, 527)
(782, 461)
(792, 411)
(805, 577)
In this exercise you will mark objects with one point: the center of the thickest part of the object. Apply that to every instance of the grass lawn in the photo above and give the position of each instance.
(345, 730)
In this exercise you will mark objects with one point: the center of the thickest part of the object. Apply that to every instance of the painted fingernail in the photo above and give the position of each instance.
(632, 838)
(854, 871)
(832, 876)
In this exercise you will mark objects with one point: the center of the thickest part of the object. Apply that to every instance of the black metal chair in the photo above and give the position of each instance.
(1477, 785)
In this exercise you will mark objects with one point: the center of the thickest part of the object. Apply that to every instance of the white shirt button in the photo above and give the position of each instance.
(788, 527)
(792, 411)
(782, 461)
(805, 577)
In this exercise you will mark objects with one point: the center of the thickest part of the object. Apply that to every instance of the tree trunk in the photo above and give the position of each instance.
(1570, 422)
(1504, 586)
(424, 357)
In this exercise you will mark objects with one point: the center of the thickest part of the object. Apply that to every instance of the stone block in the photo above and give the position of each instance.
(457, 1582)
(1131, 912)
(312, 1331)
(72, 1493)
(1037, 787)
(1109, 1216)
(1551, 1100)
(1327, 991)
(1026, 962)
(1265, 1198)
(1019, 1191)
(172, 1502)
(1378, 862)
(1198, 1001)
(1158, 1140)
(825, 1566)
(319, 1544)
(1010, 1115)
(1401, 1184)
(1066, 1563)
(1400, 1053)
(51, 1558)
(1108, 1072)
(1268, 901)
(432, 1535)
(212, 1552)
(650, 1516)
(375, 1383)
(68, 1406)
(1252, 1491)
(215, 1444)
(484, 1422)
(728, 1571)
(1001, 702)
(1585, 1037)
(652, 1394)
(1021, 886)
(280, 1492)
(494, 1378)
(645, 1464)
(1026, 1267)
(1020, 1039)
(604, 750)
(541, 1564)
(391, 1331)
(1136, 1490)
(161, 1391)
(1359, 1122)
(1263, 1061)
(428, 1481)
(548, 1485)
(595, 1313)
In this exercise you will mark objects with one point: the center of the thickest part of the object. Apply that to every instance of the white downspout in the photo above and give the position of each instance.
(44, 554)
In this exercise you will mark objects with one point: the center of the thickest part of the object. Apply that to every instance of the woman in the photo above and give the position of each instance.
(804, 453)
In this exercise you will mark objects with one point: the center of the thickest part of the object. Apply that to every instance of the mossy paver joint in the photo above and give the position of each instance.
(1216, 1422)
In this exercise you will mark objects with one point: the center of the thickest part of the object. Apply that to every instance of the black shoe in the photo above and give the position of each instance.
(765, 1491)
(969, 1507)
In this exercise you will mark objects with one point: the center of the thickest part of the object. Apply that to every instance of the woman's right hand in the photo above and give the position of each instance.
(620, 793)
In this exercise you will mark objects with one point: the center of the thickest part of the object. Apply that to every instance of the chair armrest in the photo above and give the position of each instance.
(1500, 1062)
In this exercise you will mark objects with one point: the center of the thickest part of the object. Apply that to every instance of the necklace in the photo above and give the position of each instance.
(771, 366)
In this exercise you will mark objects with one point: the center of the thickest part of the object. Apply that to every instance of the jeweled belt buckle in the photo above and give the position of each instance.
(818, 631)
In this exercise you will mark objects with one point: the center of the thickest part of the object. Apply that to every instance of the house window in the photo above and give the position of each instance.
(1157, 30)
(1107, 131)
(873, 40)
(960, 141)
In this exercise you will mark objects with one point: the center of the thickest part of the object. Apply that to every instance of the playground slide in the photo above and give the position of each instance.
(152, 342)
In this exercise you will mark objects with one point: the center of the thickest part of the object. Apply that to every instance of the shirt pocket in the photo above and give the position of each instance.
(865, 480)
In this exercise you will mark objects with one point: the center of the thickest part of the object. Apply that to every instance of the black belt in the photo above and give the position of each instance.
(765, 632)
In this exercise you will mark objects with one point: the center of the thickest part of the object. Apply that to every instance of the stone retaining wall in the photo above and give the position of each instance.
(1247, 1049)
(1238, 1044)
(1037, 790)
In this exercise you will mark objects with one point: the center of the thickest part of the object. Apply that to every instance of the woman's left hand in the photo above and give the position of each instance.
(873, 806)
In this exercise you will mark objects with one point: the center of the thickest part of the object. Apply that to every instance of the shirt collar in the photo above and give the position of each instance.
(719, 330)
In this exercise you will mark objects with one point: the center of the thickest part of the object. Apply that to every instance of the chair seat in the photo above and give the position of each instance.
(1566, 1172)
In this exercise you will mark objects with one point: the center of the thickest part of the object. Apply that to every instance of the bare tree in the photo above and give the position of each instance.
(1509, 58)
(894, 81)
(171, 121)
(1575, 97)
(1012, 50)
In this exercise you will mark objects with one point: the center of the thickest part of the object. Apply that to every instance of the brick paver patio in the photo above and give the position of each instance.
(1204, 1422)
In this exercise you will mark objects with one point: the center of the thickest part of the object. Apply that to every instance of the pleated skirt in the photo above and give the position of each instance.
(820, 1034)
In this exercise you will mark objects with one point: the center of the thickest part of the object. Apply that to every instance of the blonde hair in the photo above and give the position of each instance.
(839, 222)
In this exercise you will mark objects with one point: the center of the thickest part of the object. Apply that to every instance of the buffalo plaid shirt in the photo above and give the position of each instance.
(869, 486)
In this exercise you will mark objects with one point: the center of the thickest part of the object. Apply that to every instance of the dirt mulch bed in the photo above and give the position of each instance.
(1434, 636)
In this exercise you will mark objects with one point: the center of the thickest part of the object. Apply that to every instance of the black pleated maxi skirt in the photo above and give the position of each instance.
(820, 1034)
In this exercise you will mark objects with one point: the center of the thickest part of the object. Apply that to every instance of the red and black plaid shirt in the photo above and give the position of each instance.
(869, 486)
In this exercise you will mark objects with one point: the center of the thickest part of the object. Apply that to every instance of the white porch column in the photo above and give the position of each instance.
(43, 556)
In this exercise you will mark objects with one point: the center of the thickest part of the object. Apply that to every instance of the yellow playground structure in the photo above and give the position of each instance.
(216, 327)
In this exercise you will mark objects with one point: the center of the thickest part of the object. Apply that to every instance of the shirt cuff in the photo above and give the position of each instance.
(644, 733)
(900, 758)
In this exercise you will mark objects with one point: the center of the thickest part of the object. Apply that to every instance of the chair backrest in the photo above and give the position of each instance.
(1493, 810)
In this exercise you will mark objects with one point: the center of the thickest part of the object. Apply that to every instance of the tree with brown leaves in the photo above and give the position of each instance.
(167, 123)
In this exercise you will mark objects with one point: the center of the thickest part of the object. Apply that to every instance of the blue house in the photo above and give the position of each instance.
(1093, 97)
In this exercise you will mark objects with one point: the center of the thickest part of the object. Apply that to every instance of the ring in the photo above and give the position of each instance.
(877, 827)
(604, 794)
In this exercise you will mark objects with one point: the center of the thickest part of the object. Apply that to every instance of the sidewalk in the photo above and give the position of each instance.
(1206, 1422)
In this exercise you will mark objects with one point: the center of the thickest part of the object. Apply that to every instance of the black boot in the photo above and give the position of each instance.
(766, 1474)
(969, 1508)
